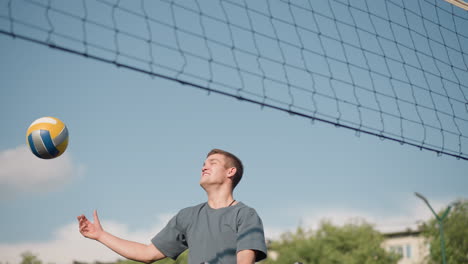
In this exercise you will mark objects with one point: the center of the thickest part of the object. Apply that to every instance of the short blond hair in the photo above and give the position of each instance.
(231, 161)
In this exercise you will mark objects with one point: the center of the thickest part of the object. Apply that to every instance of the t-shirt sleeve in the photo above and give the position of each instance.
(250, 234)
(171, 240)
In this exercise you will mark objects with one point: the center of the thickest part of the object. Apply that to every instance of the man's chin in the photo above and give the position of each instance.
(203, 184)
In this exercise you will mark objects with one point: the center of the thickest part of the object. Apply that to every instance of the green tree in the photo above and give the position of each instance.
(455, 228)
(353, 243)
(29, 258)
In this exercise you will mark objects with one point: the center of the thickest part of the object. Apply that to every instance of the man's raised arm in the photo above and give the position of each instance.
(128, 249)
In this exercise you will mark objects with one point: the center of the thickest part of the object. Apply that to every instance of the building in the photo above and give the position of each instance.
(409, 244)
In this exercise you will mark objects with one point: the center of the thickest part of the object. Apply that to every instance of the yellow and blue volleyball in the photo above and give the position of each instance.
(47, 137)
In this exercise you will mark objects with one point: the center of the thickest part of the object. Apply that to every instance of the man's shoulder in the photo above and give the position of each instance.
(192, 209)
(245, 208)
(185, 216)
(241, 209)
(244, 211)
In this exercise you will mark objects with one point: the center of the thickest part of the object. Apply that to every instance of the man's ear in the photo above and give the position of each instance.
(231, 172)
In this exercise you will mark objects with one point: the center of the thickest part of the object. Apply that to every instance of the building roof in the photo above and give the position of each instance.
(405, 233)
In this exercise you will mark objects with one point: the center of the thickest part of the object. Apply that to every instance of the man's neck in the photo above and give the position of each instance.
(220, 199)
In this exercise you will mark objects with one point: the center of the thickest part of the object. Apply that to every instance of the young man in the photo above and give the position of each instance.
(221, 230)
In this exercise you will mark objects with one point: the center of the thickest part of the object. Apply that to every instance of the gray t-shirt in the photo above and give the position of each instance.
(212, 235)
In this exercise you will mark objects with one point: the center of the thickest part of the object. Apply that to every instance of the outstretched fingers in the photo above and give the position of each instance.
(95, 217)
(83, 223)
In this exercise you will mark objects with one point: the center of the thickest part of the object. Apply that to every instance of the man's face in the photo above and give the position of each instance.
(214, 170)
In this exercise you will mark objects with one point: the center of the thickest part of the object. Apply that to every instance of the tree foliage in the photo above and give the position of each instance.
(353, 243)
(29, 258)
(455, 227)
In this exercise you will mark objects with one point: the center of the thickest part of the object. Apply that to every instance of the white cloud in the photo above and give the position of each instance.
(21, 171)
(275, 232)
(408, 217)
(68, 244)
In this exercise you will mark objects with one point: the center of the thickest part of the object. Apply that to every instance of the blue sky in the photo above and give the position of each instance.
(137, 145)
(136, 149)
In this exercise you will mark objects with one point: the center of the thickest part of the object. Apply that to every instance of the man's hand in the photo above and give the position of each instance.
(128, 249)
(89, 229)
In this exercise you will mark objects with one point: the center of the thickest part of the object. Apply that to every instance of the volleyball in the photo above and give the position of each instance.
(47, 137)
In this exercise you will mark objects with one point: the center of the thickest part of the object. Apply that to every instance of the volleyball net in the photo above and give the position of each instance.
(393, 69)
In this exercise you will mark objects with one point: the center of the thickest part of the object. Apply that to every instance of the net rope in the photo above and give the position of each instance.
(393, 69)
